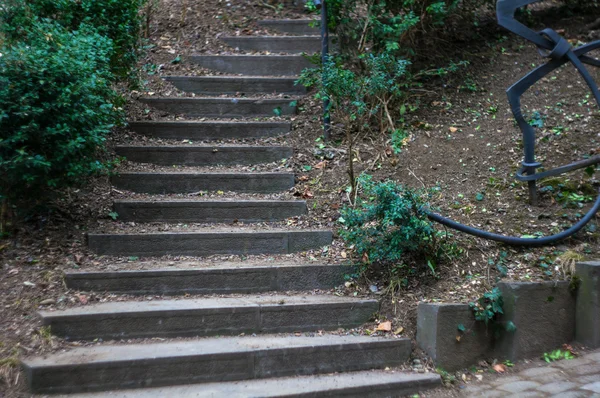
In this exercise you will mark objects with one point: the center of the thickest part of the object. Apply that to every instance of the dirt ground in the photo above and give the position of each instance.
(463, 142)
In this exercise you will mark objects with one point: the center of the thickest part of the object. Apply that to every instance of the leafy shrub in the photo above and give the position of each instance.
(390, 227)
(56, 107)
(119, 20)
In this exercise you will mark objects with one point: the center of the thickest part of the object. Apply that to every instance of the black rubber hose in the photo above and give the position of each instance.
(514, 241)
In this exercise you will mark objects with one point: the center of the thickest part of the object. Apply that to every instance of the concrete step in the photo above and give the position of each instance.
(211, 131)
(220, 85)
(254, 65)
(294, 26)
(107, 367)
(221, 211)
(220, 279)
(223, 107)
(364, 384)
(188, 182)
(208, 243)
(275, 44)
(186, 155)
(208, 317)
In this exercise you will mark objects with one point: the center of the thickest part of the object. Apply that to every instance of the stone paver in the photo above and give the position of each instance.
(576, 378)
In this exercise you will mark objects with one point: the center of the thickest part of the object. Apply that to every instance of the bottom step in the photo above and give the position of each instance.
(368, 384)
(208, 360)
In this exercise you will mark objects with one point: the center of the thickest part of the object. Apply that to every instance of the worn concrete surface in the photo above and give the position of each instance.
(208, 243)
(275, 44)
(293, 26)
(208, 317)
(439, 337)
(544, 315)
(190, 182)
(107, 367)
(188, 211)
(254, 65)
(211, 130)
(222, 107)
(186, 155)
(587, 329)
(365, 384)
(220, 85)
(579, 378)
(214, 280)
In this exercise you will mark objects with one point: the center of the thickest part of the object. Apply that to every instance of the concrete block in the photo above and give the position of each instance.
(207, 243)
(587, 330)
(293, 26)
(169, 155)
(214, 280)
(437, 331)
(544, 315)
(275, 44)
(222, 107)
(187, 211)
(254, 65)
(221, 85)
(208, 317)
(211, 131)
(189, 182)
(101, 368)
(365, 384)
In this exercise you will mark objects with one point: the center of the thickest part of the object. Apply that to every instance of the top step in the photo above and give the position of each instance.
(302, 27)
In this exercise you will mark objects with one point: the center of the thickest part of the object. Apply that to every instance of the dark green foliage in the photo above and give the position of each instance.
(56, 107)
(118, 20)
(488, 307)
(389, 227)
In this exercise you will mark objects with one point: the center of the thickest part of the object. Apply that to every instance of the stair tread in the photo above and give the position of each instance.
(366, 381)
(123, 307)
(205, 346)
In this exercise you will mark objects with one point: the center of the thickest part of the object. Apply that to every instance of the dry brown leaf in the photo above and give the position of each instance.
(321, 165)
(453, 129)
(399, 330)
(343, 254)
(499, 368)
(385, 326)
(458, 337)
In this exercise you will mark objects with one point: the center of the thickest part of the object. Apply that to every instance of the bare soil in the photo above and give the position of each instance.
(463, 142)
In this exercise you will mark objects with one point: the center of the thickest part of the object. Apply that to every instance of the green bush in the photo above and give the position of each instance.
(389, 227)
(119, 20)
(56, 107)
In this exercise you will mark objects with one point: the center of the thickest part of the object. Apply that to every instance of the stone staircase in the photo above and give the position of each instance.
(279, 344)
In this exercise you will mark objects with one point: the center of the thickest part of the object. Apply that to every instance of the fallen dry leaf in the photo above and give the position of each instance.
(453, 129)
(82, 299)
(343, 254)
(321, 165)
(499, 368)
(385, 326)
(399, 330)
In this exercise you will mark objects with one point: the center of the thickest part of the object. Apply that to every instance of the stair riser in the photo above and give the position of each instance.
(251, 65)
(210, 131)
(211, 281)
(229, 108)
(285, 44)
(221, 86)
(210, 322)
(206, 156)
(205, 212)
(301, 28)
(198, 368)
(168, 183)
(207, 244)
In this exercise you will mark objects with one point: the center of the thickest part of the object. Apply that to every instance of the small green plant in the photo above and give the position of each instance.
(508, 363)
(557, 355)
(489, 308)
(389, 226)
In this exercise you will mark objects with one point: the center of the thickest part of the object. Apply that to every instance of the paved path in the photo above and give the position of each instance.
(574, 378)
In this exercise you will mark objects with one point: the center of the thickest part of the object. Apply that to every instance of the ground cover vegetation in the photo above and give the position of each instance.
(388, 52)
(59, 64)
